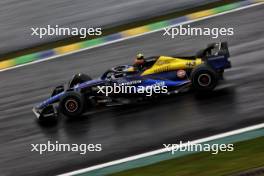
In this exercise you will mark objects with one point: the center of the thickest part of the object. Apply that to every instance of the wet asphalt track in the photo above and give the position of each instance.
(135, 129)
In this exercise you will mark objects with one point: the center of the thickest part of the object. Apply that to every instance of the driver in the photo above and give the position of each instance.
(139, 62)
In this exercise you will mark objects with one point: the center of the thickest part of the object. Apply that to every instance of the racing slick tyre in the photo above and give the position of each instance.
(204, 78)
(72, 104)
(78, 79)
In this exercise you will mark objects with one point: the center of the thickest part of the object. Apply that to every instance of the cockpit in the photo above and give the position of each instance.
(118, 72)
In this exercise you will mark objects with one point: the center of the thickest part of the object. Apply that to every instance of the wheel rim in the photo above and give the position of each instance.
(204, 80)
(71, 105)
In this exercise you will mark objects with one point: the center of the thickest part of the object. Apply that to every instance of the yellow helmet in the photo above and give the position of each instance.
(140, 56)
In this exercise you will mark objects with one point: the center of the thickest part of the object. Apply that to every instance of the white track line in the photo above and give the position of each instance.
(126, 38)
(163, 150)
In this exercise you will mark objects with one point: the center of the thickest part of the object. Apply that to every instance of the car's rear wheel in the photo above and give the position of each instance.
(204, 78)
(72, 104)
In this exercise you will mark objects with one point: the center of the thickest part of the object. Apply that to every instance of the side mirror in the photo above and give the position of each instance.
(57, 90)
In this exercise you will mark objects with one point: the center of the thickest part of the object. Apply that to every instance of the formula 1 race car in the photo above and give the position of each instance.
(201, 73)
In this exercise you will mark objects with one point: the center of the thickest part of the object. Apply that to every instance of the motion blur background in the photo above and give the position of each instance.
(122, 131)
(17, 17)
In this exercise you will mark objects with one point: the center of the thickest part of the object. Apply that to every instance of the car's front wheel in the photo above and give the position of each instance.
(72, 104)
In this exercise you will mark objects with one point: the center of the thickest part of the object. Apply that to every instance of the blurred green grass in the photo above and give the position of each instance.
(246, 155)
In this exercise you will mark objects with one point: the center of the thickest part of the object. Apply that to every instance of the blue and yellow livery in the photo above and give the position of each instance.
(201, 73)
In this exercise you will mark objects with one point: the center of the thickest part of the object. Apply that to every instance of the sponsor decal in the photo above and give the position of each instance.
(162, 62)
(131, 82)
(181, 73)
(190, 64)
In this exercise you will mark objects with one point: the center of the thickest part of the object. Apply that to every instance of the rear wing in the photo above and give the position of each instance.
(216, 55)
(214, 49)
